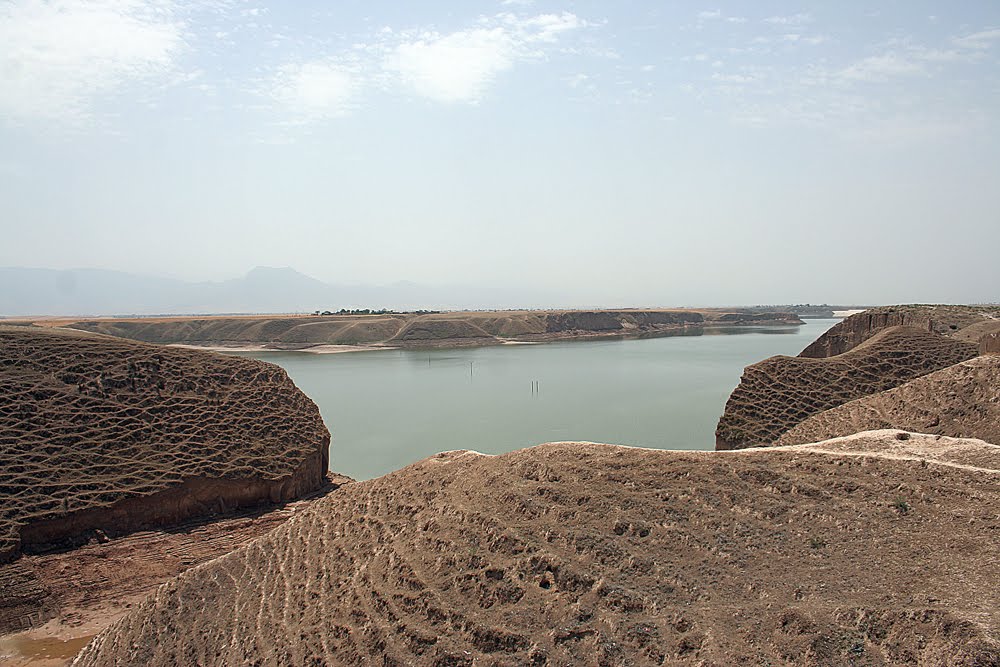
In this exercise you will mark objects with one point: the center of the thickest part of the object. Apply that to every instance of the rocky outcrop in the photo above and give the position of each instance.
(778, 393)
(421, 330)
(101, 434)
(990, 344)
(864, 550)
(960, 401)
(854, 330)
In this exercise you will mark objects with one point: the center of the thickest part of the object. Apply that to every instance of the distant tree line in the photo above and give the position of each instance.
(370, 311)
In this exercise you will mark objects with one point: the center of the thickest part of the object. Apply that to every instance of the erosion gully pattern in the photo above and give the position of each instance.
(75, 593)
(103, 434)
(865, 550)
(959, 401)
(776, 394)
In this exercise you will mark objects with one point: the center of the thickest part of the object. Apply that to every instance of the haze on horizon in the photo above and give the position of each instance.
(619, 153)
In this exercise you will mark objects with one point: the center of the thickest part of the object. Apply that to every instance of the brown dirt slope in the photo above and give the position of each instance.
(104, 434)
(776, 394)
(868, 550)
(963, 322)
(77, 593)
(415, 330)
(960, 401)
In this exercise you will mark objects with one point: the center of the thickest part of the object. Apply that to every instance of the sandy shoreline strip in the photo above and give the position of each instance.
(336, 349)
(315, 349)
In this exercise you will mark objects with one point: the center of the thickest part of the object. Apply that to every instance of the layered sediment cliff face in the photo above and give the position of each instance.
(854, 330)
(111, 435)
(778, 393)
(863, 550)
(960, 401)
(416, 330)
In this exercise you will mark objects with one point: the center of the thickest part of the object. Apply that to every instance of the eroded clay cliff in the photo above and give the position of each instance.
(778, 393)
(98, 433)
(960, 401)
(943, 319)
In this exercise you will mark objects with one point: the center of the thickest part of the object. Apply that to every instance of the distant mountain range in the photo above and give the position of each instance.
(91, 292)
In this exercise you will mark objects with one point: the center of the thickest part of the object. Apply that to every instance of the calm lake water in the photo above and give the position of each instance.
(387, 409)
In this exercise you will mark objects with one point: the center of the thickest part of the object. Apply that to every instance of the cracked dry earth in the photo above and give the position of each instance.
(776, 394)
(876, 549)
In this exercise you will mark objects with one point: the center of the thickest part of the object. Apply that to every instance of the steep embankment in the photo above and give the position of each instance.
(942, 319)
(866, 550)
(959, 401)
(421, 330)
(100, 436)
(776, 394)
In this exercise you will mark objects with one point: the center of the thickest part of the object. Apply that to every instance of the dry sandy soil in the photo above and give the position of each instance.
(872, 549)
(868, 550)
(86, 589)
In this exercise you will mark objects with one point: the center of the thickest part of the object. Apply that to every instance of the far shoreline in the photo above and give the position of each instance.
(704, 328)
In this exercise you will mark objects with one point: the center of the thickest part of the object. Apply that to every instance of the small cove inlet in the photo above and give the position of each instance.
(389, 408)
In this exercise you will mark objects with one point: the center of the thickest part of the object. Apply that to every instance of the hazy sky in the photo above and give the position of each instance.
(622, 152)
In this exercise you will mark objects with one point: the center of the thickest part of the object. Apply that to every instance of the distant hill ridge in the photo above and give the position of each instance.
(97, 292)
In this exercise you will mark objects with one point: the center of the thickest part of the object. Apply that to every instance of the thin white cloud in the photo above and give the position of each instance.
(907, 130)
(717, 15)
(979, 40)
(313, 91)
(57, 58)
(461, 66)
(881, 68)
(455, 67)
(789, 20)
(458, 67)
(545, 27)
(733, 78)
(916, 59)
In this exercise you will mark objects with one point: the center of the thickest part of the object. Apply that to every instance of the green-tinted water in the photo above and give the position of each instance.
(387, 409)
